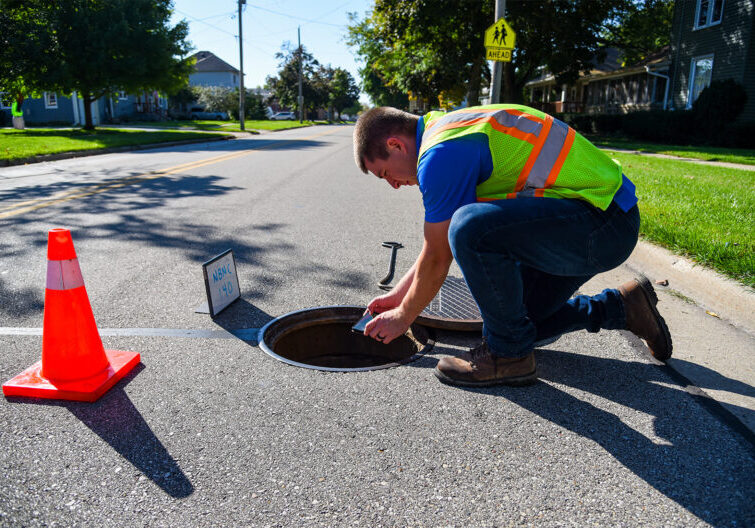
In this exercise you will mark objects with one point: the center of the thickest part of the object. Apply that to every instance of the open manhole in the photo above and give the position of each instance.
(321, 339)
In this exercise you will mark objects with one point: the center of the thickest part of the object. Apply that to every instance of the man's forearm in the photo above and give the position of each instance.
(403, 285)
(430, 271)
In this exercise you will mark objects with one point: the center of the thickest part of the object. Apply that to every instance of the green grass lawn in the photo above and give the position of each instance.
(15, 144)
(744, 156)
(706, 213)
(226, 126)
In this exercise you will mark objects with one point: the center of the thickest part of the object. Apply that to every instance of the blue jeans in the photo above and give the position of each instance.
(524, 258)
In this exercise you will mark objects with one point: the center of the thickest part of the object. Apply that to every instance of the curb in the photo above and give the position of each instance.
(108, 150)
(710, 290)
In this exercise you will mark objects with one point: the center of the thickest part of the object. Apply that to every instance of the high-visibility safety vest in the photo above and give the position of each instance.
(533, 154)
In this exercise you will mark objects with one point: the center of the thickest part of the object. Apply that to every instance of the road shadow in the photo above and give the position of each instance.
(242, 319)
(694, 460)
(116, 420)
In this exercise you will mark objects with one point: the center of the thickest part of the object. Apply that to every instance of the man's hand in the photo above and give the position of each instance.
(388, 325)
(385, 302)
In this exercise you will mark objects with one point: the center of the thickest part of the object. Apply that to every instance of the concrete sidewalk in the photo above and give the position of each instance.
(712, 323)
(726, 164)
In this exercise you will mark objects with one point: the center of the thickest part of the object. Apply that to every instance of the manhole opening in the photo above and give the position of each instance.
(321, 339)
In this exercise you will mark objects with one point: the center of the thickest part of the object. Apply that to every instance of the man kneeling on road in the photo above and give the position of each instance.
(530, 210)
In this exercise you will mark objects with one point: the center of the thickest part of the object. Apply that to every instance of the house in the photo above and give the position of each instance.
(608, 87)
(63, 109)
(712, 40)
(210, 70)
(58, 109)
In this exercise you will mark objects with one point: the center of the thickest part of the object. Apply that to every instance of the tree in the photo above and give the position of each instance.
(285, 86)
(641, 28)
(375, 82)
(344, 91)
(424, 47)
(26, 61)
(215, 98)
(431, 47)
(110, 45)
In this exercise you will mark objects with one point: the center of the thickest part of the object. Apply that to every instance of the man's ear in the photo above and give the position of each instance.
(396, 143)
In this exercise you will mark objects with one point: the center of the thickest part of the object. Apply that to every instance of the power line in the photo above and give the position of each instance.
(311, 21)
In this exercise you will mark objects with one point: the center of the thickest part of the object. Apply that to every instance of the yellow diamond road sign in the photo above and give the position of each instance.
(500, 40)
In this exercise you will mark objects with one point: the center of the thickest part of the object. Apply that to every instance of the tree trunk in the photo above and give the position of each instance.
(87, 97)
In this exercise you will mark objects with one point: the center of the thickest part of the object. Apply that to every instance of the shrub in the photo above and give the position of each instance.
(719, 104)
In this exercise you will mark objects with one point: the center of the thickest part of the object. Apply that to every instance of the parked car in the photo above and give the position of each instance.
(282, 116)
(199, 113)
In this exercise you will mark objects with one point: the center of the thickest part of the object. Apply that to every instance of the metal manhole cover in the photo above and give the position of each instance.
(453, 308)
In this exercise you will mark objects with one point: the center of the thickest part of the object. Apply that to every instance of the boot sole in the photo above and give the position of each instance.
(514, 381)
(652, 298)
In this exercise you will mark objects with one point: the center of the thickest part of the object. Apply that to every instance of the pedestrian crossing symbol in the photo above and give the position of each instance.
(500, 41)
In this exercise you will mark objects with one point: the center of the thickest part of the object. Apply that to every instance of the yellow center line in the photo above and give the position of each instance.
(64, 196)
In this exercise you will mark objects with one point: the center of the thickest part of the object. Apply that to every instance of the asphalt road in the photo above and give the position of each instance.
(213, 432)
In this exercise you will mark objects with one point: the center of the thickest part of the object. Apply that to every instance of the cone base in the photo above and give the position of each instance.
(30, 383)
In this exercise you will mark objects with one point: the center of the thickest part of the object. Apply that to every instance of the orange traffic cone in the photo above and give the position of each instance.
(74, 365)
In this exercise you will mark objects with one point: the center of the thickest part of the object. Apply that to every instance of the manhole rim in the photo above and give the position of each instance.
(426, 347)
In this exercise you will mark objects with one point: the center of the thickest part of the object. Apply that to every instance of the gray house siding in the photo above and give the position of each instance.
(749, 77)
(729, 43)
(103, 110)
(35, 112)
(227, 79)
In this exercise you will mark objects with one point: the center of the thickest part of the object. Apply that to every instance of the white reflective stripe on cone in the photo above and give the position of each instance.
(64, 274)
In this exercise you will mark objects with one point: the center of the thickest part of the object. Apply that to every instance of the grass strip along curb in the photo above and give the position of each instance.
(224, 126)
(700, 211)
(38, 144)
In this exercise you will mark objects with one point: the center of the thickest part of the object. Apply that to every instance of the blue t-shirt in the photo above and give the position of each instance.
(449, 172)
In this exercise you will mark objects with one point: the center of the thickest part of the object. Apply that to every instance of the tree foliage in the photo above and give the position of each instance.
(26, 63)
(224, 99)
(640, 28)
(434, 48)
(342, 90)
(285, 86)
(423, 47)
(322, 86)
(97, 47)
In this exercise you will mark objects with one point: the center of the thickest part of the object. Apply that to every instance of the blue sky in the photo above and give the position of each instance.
(213, 26)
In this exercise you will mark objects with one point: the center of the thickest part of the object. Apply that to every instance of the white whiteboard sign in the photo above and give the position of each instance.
(221, 281)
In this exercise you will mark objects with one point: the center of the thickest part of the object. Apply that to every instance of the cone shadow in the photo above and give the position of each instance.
(115, 419)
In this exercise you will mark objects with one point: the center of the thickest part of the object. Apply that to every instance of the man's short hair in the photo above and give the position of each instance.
(373, 129)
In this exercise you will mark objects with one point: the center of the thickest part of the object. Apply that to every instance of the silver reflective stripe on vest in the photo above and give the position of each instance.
(504, 118)
(548, 155)
(64, 274)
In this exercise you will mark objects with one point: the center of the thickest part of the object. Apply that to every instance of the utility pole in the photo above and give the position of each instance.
(495, 78)
(241, 71)
(300, 99)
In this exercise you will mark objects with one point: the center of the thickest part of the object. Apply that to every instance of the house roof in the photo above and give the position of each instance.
(209, 62)
(612, 66)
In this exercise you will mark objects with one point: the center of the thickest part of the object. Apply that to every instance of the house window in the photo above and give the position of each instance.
(5, 101)
(51, 100)
(708, 13)
(122, 95)
(699, 77)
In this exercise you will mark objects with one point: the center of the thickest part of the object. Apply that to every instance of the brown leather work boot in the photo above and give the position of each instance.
(643, 319)
(480, 368)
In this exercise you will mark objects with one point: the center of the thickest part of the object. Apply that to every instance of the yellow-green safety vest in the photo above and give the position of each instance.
(533, 154)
